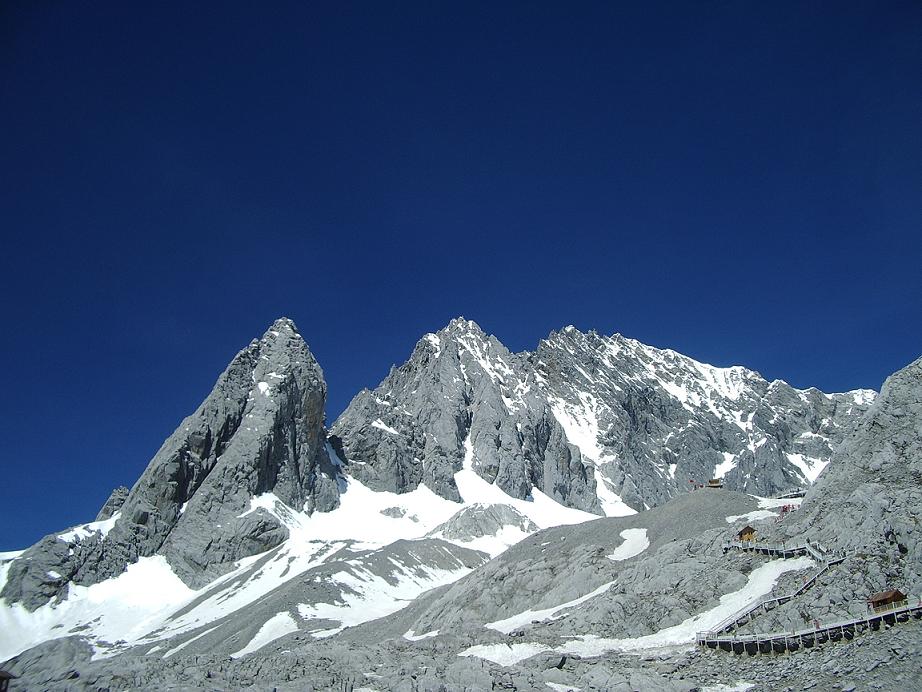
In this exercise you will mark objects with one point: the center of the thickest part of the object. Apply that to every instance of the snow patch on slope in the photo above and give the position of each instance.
(755, 515)
(810, 467)
(380, 425)
(727, 465)
(761, 581)
(411, 636)
(504, 654)
(274, 628)
(635, 542)
(528, 617)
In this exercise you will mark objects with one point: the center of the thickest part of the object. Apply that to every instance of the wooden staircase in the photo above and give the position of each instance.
(780, 642)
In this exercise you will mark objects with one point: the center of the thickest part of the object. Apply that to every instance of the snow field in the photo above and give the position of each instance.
(123, 608)
(774, 502)
(369, 596)
(138, 604)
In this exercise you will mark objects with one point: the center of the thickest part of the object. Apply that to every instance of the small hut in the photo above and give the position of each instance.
(5, 678)
(715, 483)
(886, 600)
(747, 533)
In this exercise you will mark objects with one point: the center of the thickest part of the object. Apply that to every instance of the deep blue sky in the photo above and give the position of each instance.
(739, 181)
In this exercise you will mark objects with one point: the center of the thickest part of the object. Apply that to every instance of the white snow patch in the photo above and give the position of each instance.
(741, 686)
(264, 388)
(381, 425)
(274, 628)
(810, 467)
(527, 617)
(86, 530)
(436, 343)
(53, 574)
(4, 573)
(635, 542)
(863, 397)
(773, 502)
(504, 654)
(494, 545)
(186, 643)
(752, 516)
(411, 636)
(11, 554)
(727, 465)
(761, 581)
(562, 688)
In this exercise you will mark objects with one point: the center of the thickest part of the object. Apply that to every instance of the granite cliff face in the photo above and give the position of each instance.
(462, 394)
(603, 424)
(260, 430)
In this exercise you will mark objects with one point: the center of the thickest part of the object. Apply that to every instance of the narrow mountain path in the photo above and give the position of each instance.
(744, 615)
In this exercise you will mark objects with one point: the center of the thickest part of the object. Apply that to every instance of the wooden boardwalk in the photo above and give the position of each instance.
(781, 642)
(744, 615)
(784, 550)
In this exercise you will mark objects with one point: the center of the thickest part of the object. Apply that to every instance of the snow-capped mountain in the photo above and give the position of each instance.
(463, 494)
(603, 424)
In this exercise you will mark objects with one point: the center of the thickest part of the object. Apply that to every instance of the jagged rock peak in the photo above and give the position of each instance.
(462, 325)
(608, 415)
(260, 430)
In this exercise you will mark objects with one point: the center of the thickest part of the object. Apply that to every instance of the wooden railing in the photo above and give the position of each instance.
(779, 642)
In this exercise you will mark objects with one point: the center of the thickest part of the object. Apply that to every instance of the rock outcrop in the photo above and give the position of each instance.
(870, 500)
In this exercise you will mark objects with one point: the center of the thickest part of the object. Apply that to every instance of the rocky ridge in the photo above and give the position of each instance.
(603, 424)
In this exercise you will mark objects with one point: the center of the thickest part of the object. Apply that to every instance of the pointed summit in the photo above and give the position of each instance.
(460, 325)
(260, 430)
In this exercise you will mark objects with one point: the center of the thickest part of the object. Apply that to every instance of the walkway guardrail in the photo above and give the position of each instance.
(780, 642)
